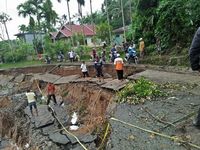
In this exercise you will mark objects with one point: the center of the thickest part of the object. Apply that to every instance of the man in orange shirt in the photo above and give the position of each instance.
(51, 93)
(118, 62)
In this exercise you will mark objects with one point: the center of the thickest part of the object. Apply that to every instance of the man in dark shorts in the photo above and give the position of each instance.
(51, 93)
(31, 97)
(98, 66)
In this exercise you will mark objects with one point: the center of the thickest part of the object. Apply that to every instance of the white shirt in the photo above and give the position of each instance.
(83, 68)
(118, 59)
(71, 54)
(31, 97)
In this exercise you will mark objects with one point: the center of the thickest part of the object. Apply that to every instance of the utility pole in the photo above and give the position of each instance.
(122, 9)
(108, 20)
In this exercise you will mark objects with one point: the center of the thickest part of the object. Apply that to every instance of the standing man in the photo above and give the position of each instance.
(118, 62)
(194, 55)
(84, 69)
(51, 93)
(98, 64)
(31, 97)
(71, 56)
(141, 47)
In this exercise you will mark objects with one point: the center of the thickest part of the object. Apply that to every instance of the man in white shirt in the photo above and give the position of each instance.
(71, 56)
(84, 69)
(31, 97)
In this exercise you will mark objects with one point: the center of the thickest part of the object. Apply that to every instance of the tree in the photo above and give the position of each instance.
(62, 20)
(69, 19)
(49, 15)
(4, 18)
(102, 32)
(42, 11)
(22, 29)
(80, 4)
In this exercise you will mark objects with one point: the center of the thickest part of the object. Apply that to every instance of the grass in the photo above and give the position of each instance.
(20, 64)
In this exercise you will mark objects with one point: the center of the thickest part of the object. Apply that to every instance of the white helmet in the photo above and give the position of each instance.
(140, 39)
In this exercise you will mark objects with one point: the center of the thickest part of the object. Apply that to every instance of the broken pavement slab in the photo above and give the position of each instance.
(59, 138)
(5, 79)
(19, 78)
(87, 138)
(47, 77)
(67, 79)
(44, 117)
(163, 77)
(61, 114)
(115, 84)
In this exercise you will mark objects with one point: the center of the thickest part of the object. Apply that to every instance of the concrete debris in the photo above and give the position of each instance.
(59, 138)
(19, 78)
(44, 117)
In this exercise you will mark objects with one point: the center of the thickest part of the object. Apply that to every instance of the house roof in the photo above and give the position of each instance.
(68, 30)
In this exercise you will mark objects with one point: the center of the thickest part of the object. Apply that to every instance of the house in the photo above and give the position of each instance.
(119, 35)
(67, 31)
(29, 37)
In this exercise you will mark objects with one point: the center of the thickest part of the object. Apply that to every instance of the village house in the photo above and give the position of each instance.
(67, 31)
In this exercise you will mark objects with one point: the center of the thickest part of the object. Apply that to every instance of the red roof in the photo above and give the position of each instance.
(69, 30)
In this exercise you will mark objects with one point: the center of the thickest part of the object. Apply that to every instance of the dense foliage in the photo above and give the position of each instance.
(139, 92)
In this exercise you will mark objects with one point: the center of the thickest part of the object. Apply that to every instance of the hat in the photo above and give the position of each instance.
(118, 55)
(140, 39)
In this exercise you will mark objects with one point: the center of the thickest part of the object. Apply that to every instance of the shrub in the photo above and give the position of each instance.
(139, 91)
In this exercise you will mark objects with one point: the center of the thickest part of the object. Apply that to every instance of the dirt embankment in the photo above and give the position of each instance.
(89, 101)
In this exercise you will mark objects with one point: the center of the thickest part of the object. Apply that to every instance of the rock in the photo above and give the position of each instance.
(44, 117)
(107, 75)
(61, 113)
(19, 78)
(88, 138)
(115, 84)
(49, 129)
(5, 79)
(59, 138)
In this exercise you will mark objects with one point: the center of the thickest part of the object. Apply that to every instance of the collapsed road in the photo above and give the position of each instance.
(93, 101)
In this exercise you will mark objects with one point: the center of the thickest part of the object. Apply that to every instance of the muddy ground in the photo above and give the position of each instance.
(95, 105)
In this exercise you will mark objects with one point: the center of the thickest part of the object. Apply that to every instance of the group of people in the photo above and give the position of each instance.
(32, 97)
(98, 65)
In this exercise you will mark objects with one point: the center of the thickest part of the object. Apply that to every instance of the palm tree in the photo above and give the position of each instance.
(108, 20)
(122, 10)
(22, 29)
(70, 23)
(49, 14)
(92, 21)
(26, 10)
(80, 4)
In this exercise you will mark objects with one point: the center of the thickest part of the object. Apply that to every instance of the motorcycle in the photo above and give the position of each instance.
(132, 58)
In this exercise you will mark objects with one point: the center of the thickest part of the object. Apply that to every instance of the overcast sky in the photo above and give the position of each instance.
(10, 7)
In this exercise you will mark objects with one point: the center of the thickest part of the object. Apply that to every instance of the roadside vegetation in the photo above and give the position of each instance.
(139, 91)
(172, 22)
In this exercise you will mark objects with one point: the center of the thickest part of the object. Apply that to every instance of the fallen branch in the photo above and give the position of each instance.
(158, 119)
(157, 133)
